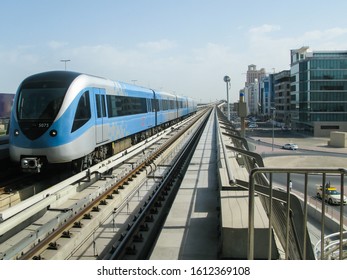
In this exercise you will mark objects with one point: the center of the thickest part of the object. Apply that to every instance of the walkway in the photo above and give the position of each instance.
(191, 228)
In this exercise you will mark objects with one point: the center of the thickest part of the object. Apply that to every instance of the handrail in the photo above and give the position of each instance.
(305, 171)
(331, 246)
(228, 168)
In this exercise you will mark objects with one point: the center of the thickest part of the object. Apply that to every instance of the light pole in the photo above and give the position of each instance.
(65, 61)
(273, 126)
(227, 81)
(242, 113)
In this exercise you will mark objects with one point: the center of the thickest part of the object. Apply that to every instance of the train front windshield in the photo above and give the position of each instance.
(41, 102)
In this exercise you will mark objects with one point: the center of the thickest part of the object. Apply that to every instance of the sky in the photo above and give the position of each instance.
(185, 47)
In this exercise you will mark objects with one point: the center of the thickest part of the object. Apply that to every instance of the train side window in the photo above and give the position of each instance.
(155, 105)
(149, 105)
(83, 113)
(100, 106)
(112, 106)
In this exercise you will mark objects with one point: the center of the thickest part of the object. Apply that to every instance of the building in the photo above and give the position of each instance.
(253, 74)
(266, 95)
(282, 97)
(6, 101)
(318, 91)
(224, 109)
(252, 97)
(252, 89)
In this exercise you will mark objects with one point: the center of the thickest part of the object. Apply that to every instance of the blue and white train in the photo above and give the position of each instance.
(69, 117)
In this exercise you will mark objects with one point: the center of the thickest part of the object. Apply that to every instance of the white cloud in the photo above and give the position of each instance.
(272, 50)
(265, 28)
(16, 64)
(327, 34)
(158, 46)
(57, 45)
(328, 39)
(197, 72)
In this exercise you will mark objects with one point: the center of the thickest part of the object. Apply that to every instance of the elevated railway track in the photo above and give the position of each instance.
(63, 221)
(114, 209)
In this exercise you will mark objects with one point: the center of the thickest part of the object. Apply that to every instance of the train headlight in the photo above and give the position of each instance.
(16, 132)
(53, 133)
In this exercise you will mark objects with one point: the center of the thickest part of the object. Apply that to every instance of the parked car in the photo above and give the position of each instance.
(252, 125)
(290, 146)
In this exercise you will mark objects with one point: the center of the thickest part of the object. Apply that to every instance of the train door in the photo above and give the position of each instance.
(101, 116)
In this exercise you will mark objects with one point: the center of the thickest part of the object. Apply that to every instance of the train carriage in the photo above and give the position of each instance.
(130, 111)
(62, 116)
(167, 107)
(191, 106)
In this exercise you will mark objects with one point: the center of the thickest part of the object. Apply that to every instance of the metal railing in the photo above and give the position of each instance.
(332, 248)
(295, 239)
(288, 213)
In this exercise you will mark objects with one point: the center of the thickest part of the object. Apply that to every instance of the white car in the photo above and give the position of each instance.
(290, 146)
(252, 125)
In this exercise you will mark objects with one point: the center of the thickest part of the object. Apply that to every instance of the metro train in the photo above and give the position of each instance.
(80, 119)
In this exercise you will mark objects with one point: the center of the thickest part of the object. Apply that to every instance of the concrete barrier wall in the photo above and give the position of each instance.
(338, 139)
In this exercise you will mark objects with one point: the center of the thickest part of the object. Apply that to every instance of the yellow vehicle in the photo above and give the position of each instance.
(332, 196)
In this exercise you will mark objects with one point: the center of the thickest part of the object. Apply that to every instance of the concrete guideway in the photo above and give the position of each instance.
(193, 228)
(190, 230)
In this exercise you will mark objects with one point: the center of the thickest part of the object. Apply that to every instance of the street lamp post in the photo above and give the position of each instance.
(227, 81)
(65, 61)
(273, 126)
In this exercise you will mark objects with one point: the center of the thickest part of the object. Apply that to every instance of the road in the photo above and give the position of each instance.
(312, 152)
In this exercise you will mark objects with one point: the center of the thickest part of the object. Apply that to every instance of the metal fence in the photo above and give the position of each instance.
(283, 209)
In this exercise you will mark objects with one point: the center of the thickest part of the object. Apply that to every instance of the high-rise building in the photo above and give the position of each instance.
(319, 90)
(252, 89)
(266, 95)
(254, 74)
(282, 97)
(252, 97)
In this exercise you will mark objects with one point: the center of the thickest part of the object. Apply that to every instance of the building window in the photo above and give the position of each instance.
(330, 127)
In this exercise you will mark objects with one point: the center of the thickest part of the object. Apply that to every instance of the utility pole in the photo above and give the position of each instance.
(227, 81)
(65, 61)
(242, 113)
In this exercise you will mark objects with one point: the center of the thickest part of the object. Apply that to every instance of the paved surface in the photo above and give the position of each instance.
(276, 157)
(191, 228)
